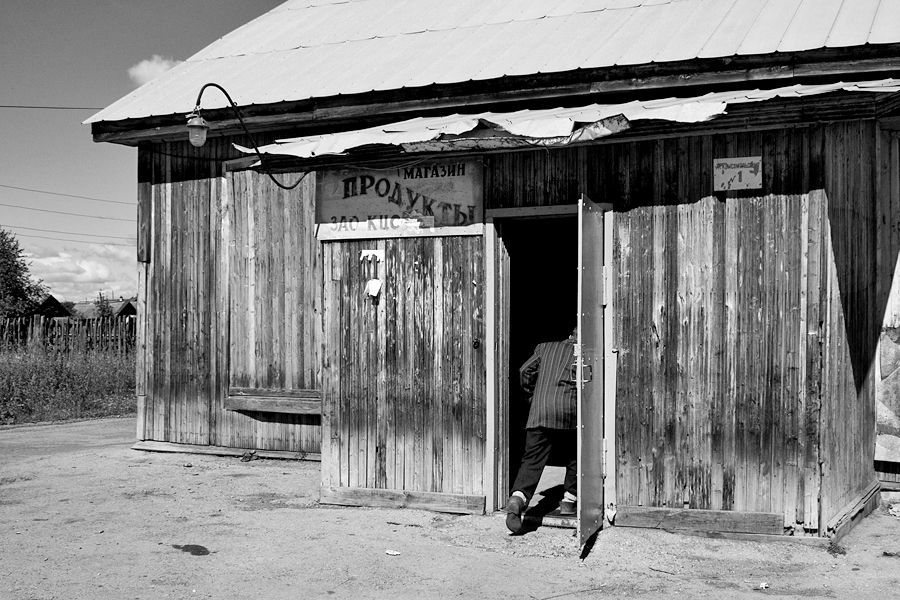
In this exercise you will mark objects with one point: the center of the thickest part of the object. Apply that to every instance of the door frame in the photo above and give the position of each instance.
(496, 461)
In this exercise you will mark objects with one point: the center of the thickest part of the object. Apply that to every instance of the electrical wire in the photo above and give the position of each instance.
(49, 107)
(237, 113)
(206, 158)
(117, 237)
(59, 212)
(13, 187)
(363, 165)
(58, 239)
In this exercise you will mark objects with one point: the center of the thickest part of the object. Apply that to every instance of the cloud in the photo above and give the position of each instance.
(147, 70)
(79, 273)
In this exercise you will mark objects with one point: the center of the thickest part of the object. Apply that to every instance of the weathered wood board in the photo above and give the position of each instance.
(406, 409)
(438, 502)
(196, 301)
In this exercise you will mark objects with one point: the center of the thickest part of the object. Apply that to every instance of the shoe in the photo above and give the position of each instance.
(567, 508)
(514, 509)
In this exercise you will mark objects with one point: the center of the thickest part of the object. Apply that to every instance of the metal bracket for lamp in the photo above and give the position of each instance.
(198, 128)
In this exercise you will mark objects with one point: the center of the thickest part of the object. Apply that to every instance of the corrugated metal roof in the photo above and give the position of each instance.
(310, 49)
(547, 127)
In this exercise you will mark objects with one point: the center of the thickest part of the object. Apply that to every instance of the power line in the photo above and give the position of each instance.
(116, 237)
(44, 237)
(59, 212)
(13, 187)
(49, 107)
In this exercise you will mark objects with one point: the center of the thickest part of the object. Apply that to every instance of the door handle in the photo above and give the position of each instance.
(589, 371)
(585, 369)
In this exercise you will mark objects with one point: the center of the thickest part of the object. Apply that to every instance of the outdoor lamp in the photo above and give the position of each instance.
(198, 127)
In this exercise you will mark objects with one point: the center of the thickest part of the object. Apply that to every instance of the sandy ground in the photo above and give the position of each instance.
(84, 516)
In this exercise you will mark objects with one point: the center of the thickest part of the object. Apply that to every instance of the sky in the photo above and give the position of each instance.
(86, 54)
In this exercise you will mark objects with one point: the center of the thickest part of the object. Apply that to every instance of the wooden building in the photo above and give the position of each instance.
(730, 264)
(49, 308)
(120, 308)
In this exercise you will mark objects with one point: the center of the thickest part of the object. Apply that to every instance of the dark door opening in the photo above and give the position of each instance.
(543, 290)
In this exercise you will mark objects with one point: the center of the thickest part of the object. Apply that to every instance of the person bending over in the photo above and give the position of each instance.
(552, 420)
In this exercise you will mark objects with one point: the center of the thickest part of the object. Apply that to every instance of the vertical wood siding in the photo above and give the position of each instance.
(184, 315)
(276, 282)
(855, 313)
(177, 303)
(273, 306)
(713, 410)
(404, 396)
(888, 228)
(746, 322)
(888, 179)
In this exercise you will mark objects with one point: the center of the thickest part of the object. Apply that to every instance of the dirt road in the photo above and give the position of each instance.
(84, 516)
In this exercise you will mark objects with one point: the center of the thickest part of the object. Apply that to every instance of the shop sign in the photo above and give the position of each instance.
(435, 197)
(743, 173)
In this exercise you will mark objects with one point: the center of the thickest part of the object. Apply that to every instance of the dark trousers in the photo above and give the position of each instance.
(538, 444)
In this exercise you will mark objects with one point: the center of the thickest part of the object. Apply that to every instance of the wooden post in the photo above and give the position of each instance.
(492, 377)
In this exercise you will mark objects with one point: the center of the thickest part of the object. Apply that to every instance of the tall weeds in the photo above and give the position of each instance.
(43, 384)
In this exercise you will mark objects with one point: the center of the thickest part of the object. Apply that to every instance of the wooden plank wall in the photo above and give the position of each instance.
(274, 306)
(855, 311)
(712, 406)
(746, 321)
(888, 225)
(888, 378)
(176, 292)
(404, 380)
(183, 315)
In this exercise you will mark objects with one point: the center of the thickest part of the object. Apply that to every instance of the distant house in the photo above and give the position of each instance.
(49, 307)
(123, 308)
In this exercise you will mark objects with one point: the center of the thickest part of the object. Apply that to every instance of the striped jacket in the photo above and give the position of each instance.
(548, 376)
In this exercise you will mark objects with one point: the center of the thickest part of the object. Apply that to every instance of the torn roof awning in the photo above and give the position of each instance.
(488, 130)
(556, 127)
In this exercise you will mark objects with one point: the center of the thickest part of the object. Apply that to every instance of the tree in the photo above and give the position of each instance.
(19, 294)
(104, 308)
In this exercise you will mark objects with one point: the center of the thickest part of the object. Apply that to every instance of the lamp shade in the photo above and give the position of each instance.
(197, 128)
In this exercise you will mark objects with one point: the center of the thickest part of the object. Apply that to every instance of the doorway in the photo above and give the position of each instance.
(542, 304)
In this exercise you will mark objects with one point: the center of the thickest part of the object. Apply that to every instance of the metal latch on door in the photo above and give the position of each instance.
(587, 373)
(585, 369)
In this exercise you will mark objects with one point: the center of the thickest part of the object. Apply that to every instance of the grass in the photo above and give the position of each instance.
(43, 385)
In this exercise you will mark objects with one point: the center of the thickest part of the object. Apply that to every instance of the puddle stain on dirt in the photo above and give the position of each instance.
(192, 549)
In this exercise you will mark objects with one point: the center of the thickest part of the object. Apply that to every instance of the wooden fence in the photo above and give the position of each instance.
(115, 336)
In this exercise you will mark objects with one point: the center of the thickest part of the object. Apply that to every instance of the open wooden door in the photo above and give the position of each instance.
(498, 301)
(590, 367)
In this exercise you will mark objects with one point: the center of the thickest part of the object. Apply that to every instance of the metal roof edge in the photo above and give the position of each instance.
(644, 79)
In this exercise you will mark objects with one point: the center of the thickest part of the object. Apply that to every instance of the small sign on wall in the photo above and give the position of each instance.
(743, 173)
